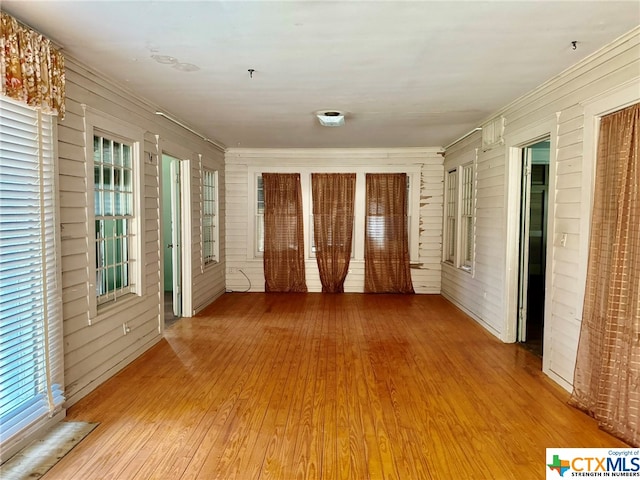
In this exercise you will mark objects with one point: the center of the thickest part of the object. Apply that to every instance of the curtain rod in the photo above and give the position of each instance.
(463, 137)
(187, 127)
(29, 27)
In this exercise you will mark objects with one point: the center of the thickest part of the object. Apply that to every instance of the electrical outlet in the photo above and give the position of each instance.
(125, 328)
(563, 240)
(232, 270)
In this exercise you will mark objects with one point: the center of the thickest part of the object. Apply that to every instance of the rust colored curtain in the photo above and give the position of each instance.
(32, 69)
(333, 205)
(607, 376)
(386, 247)
(283, 233)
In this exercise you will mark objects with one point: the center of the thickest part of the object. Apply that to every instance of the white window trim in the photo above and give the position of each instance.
(252, 188)
(412, 171)
(458, 244)
(108, 124)
(467, 267)
(216, 242)
(446, 241)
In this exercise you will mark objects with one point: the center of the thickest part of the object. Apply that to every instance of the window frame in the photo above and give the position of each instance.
(449, 250)
(459, 210)
(97, 122)
(125, 218)
(253, 251)
(467, 216)
(214, 259)
(45, 352)
(413, 173)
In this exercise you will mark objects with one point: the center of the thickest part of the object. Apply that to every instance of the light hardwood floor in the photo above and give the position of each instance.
(314, 386)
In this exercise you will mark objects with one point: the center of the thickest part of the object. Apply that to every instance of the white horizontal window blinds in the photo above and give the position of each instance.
(31, 363)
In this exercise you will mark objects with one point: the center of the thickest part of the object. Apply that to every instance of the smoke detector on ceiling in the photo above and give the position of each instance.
(330, 118)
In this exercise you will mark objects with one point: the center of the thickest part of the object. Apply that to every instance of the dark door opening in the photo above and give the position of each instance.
(533, 245)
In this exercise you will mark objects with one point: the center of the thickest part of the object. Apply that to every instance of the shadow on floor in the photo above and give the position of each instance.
(169, 317)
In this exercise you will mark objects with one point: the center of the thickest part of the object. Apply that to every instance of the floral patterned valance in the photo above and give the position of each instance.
(32, 68)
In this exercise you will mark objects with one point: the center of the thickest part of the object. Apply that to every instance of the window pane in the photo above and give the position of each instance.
(466, 235)
(260, 233)
(452, 200)
(117, 179)
(117, 153)
(97, 176)
(126, 156)
(106, 151)
(113, 177)
(127, 185)
(260, 196)
(97, 152)
(209, 218)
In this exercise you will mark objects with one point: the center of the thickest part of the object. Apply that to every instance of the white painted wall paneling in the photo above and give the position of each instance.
(565, 98)
(95, 352)
(243, 164)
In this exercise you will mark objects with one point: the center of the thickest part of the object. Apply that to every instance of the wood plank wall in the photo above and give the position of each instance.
(560, 102)
(241, 164)
(95, 352)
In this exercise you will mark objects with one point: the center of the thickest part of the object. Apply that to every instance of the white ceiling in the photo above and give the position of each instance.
(418, 73)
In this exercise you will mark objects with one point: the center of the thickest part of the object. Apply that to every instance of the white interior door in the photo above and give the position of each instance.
(176, 237)
(524, 244)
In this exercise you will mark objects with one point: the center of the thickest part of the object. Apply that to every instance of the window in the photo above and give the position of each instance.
(450, 218)
(210, 234)
(387, 261)
(312, 235)
(255, 211)
(30, 311)
(116, 205)
(259, 217)
(466, 218)
(412, 247)
(113, 208)
(458, 233)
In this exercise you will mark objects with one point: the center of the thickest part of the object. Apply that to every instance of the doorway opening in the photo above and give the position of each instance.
(172, 238)
(534, 204)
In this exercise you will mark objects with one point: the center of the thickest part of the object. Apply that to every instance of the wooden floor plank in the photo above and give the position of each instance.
(320, 386)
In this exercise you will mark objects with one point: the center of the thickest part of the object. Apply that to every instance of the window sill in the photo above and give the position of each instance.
(210, 265)
(451, 266)
(109, 309)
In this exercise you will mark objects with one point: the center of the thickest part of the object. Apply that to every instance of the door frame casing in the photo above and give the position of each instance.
(515, 143)
(186, 161)
(177, 237)
(525, 237)
(523, 266)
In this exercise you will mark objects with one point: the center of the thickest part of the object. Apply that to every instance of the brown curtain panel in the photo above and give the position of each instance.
(333, 206)
(32, 68)
(386, 247)
(607, 376)
(283, 233)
